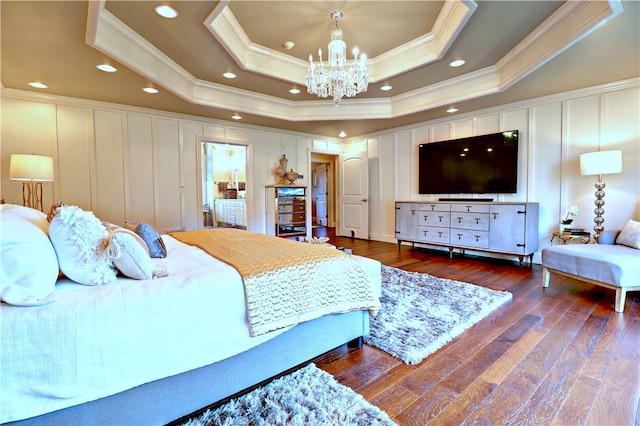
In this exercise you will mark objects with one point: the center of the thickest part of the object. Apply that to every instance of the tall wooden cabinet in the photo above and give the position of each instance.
(286, 210)
(509, 228)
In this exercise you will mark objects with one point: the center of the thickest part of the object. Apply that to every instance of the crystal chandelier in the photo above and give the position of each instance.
(336, 81)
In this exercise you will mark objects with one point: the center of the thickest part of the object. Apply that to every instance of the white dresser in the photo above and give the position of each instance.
(509, 228)
(231, 212)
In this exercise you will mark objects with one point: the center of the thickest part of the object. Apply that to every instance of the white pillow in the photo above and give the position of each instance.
(630, 235)
(130, 257)
(29, 267)
(80, 242)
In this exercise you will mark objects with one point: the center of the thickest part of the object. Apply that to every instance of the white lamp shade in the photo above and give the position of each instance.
(31, 167)
(601, 163)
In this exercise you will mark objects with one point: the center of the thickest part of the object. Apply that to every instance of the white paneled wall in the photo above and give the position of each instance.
(554, 131)
(128, 163)
(135, 164)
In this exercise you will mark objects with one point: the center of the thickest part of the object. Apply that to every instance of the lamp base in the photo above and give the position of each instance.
(32, 195)
(599, 210)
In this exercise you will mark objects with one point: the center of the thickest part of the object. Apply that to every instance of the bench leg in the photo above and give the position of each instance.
(621, 296)
(546, 274)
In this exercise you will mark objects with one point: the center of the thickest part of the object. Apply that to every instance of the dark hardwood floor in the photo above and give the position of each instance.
(559, 355)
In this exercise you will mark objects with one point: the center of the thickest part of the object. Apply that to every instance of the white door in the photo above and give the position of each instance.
(321, 195)
(354, 195)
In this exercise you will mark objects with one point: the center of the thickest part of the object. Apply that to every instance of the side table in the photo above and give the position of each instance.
(569, 238)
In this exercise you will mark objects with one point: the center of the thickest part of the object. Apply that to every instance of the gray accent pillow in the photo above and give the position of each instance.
(151, 238)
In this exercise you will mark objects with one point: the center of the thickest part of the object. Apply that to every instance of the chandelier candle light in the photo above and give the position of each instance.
(336, 81)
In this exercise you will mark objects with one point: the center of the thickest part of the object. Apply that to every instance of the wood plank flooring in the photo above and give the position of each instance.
(559, 355)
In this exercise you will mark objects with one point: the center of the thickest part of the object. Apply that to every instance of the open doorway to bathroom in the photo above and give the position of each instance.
(323, 190)
(224, 183)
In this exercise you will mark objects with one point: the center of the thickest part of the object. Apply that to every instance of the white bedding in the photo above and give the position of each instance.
(96, 341)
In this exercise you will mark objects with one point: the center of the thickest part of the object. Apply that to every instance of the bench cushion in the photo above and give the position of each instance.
(613, 264)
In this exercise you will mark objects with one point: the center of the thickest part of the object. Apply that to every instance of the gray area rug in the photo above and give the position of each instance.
(421, 313)
(308, 396)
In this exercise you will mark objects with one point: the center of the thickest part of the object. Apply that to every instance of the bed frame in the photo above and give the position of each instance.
(165, 400)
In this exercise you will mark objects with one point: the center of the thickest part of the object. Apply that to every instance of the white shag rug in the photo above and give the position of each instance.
(308, 396)
(421, 313)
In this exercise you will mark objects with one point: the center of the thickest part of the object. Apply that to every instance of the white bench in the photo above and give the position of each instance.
(605, 264)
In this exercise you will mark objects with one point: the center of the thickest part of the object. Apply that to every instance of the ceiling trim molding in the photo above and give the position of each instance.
(566, 26)
(570, 23)
(468, 86)
(632, 83)
(259, 59)
(427, 48)
(222, 24)
(109, 35)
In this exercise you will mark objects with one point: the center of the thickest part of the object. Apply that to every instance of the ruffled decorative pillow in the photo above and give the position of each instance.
(630, 235)
(80, 241)
(28, 263)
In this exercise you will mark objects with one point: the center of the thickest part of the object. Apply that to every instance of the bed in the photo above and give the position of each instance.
(150, 351)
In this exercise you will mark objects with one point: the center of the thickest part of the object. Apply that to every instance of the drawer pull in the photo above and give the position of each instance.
(440, 217)
(477, 220)
(459, 220)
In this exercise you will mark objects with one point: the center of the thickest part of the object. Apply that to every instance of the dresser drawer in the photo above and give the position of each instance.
(433, 218)
(470, 208)
(469, 238)
(431, 234)
(479, 221)
(434, 207)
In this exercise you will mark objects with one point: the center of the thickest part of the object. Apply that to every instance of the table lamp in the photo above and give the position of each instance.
(33, 170)
(600, 163)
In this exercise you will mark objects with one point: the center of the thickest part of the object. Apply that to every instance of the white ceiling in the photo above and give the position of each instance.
(514, 50)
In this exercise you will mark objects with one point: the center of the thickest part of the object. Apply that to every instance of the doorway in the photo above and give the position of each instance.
(224, 184)
(323, 190)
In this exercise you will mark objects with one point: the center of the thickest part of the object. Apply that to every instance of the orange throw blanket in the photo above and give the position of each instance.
(287, 282)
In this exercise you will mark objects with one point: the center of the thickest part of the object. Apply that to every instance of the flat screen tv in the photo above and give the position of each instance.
(486, 164)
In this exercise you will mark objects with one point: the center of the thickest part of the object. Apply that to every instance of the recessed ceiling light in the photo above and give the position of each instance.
(236, 116)
(452, 109)
(457, 63)
(150, 90)
(166, 11)
(229, 75)
(106, 68)
(294, 91)
(386, 87)
(38, 85)
(288, 45)
(342, 134)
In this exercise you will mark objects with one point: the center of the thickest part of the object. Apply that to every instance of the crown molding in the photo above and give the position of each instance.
(566, 26)
(569, 24)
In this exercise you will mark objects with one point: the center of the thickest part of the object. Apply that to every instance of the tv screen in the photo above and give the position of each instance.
(486, 164)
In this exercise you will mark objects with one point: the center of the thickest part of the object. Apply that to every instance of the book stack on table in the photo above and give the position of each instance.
(575, 231)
